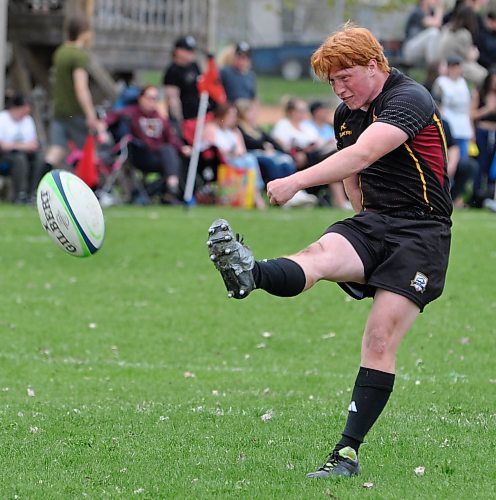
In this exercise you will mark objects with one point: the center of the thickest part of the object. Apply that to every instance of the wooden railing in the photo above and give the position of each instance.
(152, 15)
(127, 34)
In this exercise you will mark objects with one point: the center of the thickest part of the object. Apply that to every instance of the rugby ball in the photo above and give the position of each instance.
(70, 213)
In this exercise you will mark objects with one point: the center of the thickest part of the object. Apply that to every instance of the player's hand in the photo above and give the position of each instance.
(282, 190)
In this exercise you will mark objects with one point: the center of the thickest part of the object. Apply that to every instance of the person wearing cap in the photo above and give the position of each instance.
(19, 147)
(237, 77)
(179, 81)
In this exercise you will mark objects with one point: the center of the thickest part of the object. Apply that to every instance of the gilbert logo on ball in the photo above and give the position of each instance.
(70, 213)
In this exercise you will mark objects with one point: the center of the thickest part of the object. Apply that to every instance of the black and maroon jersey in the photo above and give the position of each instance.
(413, 177)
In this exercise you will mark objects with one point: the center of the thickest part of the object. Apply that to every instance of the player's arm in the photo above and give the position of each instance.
(173, 100)
(376, 141)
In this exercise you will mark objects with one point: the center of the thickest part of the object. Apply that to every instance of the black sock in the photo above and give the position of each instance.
(282, 277)
(41, 169)
(370, 395)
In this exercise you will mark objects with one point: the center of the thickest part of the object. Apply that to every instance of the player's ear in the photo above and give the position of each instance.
(372, 67)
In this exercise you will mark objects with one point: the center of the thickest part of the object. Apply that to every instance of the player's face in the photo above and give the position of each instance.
(354, 86)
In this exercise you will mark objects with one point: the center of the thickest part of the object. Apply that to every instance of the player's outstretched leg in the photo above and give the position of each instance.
(232, 258)
(339, 463)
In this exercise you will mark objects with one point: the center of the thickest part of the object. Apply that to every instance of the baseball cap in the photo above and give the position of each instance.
(453, 60)
(243, 48)
(186, 42)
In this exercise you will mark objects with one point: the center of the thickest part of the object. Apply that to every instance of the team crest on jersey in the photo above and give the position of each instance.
(343, 130)
(419, 282)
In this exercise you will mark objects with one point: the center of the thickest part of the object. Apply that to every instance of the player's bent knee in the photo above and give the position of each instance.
(377, 342)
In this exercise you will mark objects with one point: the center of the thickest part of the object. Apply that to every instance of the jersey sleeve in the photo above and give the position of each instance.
(410, 109)
(81, 60)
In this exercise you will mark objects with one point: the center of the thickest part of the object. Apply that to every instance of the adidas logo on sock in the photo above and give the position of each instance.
(353, 407)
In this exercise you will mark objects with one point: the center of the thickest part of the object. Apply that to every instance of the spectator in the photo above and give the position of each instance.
(128, 91)
(237, 77)
(452, 92)
(483, 114)
(223, 133)
(449, 13)
(321, 119)
(273, 161)
(297, 136)
(180, 78)
(74, 115)
(422, 32)
(19, 147)
(487, 40)
(302, 139)
(154, 146)
(461, 171)
(457, 39)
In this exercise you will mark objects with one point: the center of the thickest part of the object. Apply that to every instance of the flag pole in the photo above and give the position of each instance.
(195, 153)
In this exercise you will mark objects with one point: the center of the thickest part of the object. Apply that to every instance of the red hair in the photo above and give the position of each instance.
(350, 46)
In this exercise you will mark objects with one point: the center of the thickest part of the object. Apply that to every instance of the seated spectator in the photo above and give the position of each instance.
(483, 114)
(422, 32)
(321, 118)
(274, 162)
(154, 146)
(297, 136)
(223, 133)
(487, 40)
(238, 79)
(457, 40)
(452, 92)
(19, 148)
(128, 91)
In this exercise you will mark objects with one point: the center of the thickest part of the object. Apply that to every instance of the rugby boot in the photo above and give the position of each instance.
(232, 258)
(339, 463)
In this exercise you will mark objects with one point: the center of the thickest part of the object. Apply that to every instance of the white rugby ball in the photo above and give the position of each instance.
(70, 213)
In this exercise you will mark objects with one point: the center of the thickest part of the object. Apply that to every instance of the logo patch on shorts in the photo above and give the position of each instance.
(419, 282)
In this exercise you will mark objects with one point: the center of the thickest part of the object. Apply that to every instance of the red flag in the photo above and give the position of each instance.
(210, 82)
(86, 166)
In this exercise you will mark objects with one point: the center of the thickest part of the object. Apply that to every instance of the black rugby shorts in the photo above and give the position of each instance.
(406, 256)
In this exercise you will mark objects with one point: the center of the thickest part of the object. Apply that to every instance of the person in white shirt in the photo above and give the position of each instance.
(322, 119)
(297, 136)
(223, 133)
(19, 147)
(452, 92)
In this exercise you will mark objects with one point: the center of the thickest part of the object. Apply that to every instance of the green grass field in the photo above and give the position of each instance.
(130, 374)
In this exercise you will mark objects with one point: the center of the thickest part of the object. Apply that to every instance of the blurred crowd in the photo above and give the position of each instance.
(149, 139)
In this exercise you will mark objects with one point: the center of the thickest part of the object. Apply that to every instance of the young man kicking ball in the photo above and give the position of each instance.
(392, 158)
